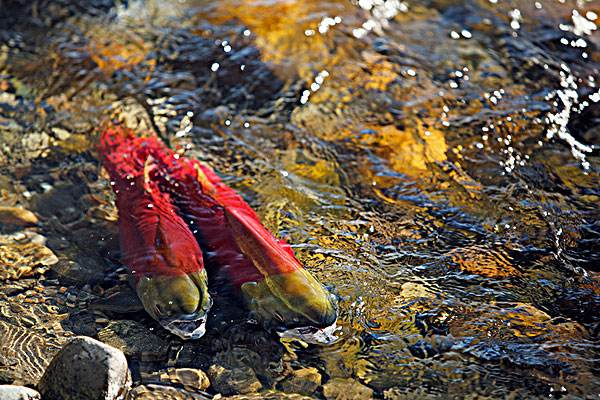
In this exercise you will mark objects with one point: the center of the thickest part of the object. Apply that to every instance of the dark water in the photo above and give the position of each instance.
(434, 163)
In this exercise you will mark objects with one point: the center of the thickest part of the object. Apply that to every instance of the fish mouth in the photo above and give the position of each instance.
(293, 302)
(312, 334)
(180, 303)
(188, 327)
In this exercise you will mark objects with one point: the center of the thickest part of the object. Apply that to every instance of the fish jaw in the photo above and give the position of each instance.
(291, 300)
(180, 303)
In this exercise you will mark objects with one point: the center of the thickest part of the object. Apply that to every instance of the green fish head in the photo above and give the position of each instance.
(290, 300)
(180, 303)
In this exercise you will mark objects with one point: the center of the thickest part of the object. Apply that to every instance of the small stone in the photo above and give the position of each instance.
(134, 339)
(17, 216)
(233, 381)
(191, 378)
(303, 381)
(160, 392)
(86, 369)
(10, 392)
(346, 389)
(61, 134)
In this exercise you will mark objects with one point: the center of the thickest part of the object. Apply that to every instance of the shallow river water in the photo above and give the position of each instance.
(435, 163)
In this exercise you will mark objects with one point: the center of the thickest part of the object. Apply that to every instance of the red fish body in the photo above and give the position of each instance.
(273, 281)
(156, 244)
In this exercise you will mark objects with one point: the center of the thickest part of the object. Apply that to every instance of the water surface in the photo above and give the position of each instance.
(434, 163)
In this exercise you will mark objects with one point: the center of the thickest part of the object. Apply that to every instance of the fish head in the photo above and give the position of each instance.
(172, 282)
(291, 300)
(180, 302)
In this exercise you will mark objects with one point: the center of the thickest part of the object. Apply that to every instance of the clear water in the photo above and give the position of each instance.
(434, 163)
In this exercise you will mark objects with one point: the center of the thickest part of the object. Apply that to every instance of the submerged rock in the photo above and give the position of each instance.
(192, 379)
(160, 392)
(134, 339)
(10, 392)
(17, 216)
(346, 389)
(303, 381)
(270, 395)
(86, 369)
(233, 381)
(24, 255)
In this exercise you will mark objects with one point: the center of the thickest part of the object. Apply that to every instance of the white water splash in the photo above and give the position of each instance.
(558, 121)
(382, 11)
(313, 335)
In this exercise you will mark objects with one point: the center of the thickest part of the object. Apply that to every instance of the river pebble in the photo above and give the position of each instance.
(192, 379)
(346, 389)
(86, 369)
(303, 381)
(233, 381)
(11, 392)
(17, 216)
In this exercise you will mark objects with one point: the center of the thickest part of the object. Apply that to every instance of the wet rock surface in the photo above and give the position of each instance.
(24, 255)
(192, 379)
(268, 395)
(86, 369)
(303, 381)
(346, 389)
(17, 216)
(10, 392)
(160, 392)
(233, 380)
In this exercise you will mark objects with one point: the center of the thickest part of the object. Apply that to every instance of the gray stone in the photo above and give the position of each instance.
(233, 381)
(346, 389)
(303, 381)
(10, 392)
(86, 369)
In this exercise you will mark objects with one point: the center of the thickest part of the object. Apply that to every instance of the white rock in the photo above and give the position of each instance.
(10, 392)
